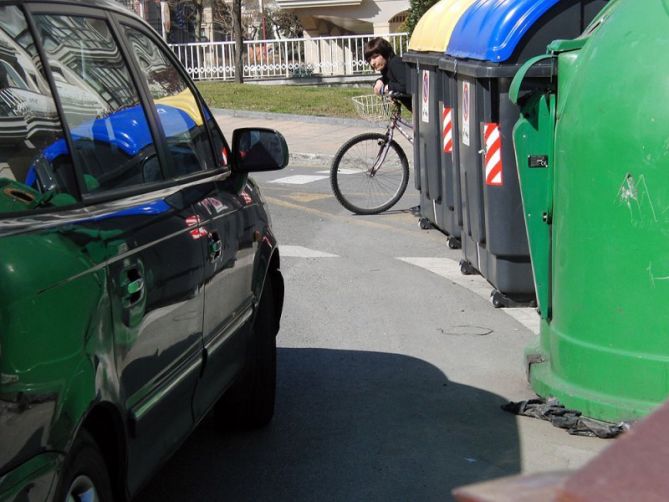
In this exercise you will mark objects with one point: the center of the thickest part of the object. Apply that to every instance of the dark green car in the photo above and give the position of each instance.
(139, 276)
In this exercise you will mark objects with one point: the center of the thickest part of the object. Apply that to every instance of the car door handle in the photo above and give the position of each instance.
(133, 296)
(135, 287)
(215, 246)
(132, 286)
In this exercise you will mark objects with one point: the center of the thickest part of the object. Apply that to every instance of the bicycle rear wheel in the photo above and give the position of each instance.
(353, 185)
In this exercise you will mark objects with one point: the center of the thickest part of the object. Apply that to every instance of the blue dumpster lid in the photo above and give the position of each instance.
(491, 30)
(128, 130)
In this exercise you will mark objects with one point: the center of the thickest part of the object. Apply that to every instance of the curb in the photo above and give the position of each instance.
(313, 119)
(299, 159)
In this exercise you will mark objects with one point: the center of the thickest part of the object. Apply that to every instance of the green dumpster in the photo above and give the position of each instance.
(592, 155)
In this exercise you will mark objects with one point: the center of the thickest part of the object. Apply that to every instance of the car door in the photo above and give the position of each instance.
(148, 229)
(226, 235)
(51, 288)
(228, 271)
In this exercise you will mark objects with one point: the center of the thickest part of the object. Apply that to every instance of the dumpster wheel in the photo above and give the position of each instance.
(467, 268)
(453, 243)
(499, 300)
(424, 224)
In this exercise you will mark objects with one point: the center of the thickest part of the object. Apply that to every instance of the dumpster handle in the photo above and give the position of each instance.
(517, 81)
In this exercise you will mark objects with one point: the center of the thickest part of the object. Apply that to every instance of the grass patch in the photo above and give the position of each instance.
(300, 100)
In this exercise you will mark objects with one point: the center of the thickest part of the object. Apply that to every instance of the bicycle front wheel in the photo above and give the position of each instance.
(353, 183)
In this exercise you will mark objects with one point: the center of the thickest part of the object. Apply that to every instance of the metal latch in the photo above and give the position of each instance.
(540, 161)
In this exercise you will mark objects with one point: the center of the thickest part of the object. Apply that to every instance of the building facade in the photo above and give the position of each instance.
(348, 17)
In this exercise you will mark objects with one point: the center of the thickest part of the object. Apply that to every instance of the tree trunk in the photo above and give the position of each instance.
(239, 41)
(198, 19)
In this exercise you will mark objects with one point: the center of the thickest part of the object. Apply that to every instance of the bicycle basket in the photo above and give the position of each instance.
(372, 107)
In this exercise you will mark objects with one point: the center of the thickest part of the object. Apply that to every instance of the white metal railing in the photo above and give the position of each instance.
(287, 58)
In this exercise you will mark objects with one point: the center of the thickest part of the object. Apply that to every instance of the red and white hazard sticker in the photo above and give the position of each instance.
(493, 154)
(447, 129)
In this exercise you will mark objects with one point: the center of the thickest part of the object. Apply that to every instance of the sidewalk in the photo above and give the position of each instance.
(311, 140)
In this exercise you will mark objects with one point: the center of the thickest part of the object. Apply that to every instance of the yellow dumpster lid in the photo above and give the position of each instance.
(434, 28)
(184, 101)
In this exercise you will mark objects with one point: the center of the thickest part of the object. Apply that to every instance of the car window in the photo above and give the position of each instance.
(103, 112)
(35, 164)
(220, 145)
(177, 108)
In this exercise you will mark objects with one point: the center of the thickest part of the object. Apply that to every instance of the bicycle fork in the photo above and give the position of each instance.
(383, 152)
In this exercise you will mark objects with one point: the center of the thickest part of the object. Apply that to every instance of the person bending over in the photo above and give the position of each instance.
(381, 57)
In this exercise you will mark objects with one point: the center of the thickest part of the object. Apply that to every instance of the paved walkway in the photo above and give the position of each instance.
(311, 140)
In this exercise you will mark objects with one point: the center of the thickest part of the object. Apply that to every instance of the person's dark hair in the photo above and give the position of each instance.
(380, 46)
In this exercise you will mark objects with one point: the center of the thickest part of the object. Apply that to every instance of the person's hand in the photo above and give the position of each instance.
(379, 87)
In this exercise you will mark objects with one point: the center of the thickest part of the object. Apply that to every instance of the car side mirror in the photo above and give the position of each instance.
(258, 149)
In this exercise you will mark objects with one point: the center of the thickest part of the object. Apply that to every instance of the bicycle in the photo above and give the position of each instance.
(370, 172)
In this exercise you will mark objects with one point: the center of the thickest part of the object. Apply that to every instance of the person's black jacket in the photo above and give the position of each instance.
(395, 76)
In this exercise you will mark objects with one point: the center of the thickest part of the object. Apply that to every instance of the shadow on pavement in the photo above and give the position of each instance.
(350, 425)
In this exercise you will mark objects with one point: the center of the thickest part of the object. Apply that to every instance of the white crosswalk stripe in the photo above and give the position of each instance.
(342, 171)
(299, 179)
(302, 252)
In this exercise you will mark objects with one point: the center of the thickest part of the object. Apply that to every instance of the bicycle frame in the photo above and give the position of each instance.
(358, 181)
(395, 122)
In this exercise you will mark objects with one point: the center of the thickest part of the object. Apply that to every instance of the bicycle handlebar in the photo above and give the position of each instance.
(394, 94)
(397, 94)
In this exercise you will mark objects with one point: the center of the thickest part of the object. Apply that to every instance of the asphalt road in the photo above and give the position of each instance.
(391, 370)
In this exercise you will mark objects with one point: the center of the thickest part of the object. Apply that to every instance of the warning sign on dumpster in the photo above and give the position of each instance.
(465, 112)
(425, 104)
